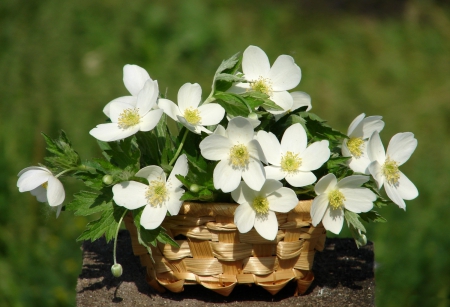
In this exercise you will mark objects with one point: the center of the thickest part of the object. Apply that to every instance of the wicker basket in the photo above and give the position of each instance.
(214, 254)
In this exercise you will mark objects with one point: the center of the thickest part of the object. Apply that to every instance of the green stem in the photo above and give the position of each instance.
(117, 234)
(64, 171)
(179, 148)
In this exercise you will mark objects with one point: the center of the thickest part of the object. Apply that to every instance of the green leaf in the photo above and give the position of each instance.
(163, 237)
(352, 219)
(372, 216)
(63, 156)
(87, 203)
(229, 78)
(106, 225)
(233, 104)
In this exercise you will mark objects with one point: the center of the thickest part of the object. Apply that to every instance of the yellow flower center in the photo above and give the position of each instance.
(129, 118)
(261, 205)
(239, 155)
(192, 116)
(336, 199)
(262, 85)
(156, 193)
(290, 162)
(45, 185)
(355, 146)
(390, 171)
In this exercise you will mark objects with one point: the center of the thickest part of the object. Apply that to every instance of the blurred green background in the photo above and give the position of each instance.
(61, 62)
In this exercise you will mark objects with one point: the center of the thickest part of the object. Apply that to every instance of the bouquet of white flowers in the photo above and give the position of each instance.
(251, 142)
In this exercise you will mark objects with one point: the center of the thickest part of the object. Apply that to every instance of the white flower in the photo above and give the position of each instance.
(126, 120)
(158, 197)
(292, 159)
(41, 183)
(134, 78)
(239, 154)
(258, 208)
(333, 197)
(299, 99)
(274, 81)
(359, 132)
(189, 113)
(384, 166)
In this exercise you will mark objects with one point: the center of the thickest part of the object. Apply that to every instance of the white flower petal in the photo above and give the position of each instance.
(282, 99)
(318, 208)
(152, 172)
(240, 130)
(130, 194)
(355, 123)
(325, 184)
(134, 78)
(170, 108)
(270, 186)
(285, 74)
(215, 147)
(244, 217)
(255, 63)
(270, 146)
(131, 100)
(294, 139)
(301, 178)
(255, 151)
(401, 147)
(189, 96)
(180, 168)
(194, 128)
(58, 210)
(375, 149)
(220, 130)
(41, 194)
(211, 114)
(150, 120)
(225, 177)
(394, 195)
(354, 181)
(267, 225)
(406, 188)
(152, 217)
(376, 172)
(55, 192)
(371, 124)
(32, 177)
(111, 132)
(283, 200)
(174, 203)
(238, 194)
(254, 175)
(147, 97)
(333, 220)
(301, 99)
(358, 199)
(315, 156)
(360, 164)
(274, 172)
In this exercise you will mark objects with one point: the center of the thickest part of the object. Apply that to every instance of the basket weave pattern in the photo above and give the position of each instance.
(214, 254)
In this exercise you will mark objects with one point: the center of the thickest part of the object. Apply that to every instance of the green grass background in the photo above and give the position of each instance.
(61, 62)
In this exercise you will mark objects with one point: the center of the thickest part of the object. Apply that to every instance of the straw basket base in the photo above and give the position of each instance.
(214, 254)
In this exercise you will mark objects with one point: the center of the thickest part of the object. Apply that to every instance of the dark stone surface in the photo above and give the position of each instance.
(343, 277)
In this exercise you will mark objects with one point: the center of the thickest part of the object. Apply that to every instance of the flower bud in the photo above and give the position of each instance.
(362, 240)
(194, 188)
(107, 179)
(253, 116)
(116, 270)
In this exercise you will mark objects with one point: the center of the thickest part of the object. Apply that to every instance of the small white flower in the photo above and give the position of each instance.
(158, 197)
(299, 99)
(384, 166)
(333, 197)
(134, 78)
(41, 183)
(127, 120)
(257, 208)
(292, 159)
(359, 132)
(189, 113)
(274, 81)
(239, 154)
